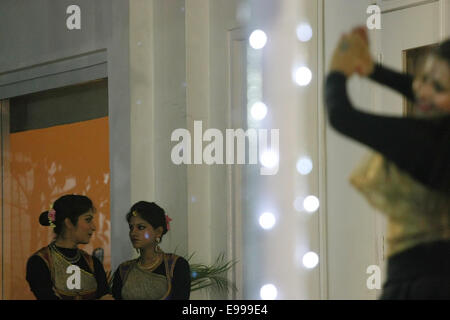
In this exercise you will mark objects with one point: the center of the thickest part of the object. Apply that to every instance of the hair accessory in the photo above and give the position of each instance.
(134, 213)
(168, 219)
(52, 216)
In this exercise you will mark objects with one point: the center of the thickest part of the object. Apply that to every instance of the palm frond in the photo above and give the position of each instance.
(204, 276)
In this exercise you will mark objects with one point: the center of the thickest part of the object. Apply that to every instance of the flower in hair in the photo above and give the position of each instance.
(168, 219)
(52, 217)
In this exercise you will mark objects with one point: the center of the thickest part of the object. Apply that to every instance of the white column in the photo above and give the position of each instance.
(158, 107)
(142, 99)
(197, 105)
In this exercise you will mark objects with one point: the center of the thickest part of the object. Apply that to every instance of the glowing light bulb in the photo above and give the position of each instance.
(304, 166)
(304, 32)
(268, 292)
(258, 111)
(267, 220)
(310, 260)
(303, 76)
(311, 204)
(258, 39)
(269, 159)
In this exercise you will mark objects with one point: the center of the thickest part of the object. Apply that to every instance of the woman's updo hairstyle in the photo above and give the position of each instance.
(150, 212)
(69, 206)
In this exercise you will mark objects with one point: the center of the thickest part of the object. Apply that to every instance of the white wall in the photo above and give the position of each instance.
(158, 107)
(207, 26)
(38, 52)
(352, 243)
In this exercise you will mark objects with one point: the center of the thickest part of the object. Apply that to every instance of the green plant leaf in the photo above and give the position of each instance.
(204, 276)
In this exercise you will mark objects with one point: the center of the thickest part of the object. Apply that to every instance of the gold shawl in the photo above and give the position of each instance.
(415, 213)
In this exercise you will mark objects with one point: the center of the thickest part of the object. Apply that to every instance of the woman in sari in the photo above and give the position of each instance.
(154, 275)
(61, 270)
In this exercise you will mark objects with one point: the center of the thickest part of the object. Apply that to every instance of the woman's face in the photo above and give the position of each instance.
(142, 234)
(432, 86)
(85, 227)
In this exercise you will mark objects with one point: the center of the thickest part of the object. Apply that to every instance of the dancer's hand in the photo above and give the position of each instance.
(366, 64)
(345, 56)
(352, 54)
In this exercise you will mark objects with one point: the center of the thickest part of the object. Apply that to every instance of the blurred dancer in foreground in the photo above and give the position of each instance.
(408, 176)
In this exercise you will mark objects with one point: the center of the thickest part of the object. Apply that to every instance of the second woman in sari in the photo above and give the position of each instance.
(154, 275)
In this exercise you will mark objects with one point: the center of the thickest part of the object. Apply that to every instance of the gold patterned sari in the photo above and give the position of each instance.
(58, 271)
(141, 284)
(415, 213)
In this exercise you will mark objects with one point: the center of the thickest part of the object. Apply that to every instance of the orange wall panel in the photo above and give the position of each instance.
(43, 165)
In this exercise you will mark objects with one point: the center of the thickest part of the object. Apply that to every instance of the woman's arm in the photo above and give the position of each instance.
(400, 82)
(117, 285)
(39, 279)
(181, 283)
(365, 65)
(100, 276)
(418, 146)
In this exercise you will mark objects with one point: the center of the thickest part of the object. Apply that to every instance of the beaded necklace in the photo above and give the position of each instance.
(73, 260)
(151, 266)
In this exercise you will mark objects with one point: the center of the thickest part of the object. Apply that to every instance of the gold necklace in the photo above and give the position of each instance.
(72, 260)
(153, 265)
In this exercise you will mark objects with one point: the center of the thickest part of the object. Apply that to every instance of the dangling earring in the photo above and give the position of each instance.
(157, 248)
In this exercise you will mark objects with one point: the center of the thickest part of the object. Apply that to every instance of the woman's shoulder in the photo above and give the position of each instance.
(128, 263)
(175, 257)
(124, 267)
(179, 261)
(39, 258)
(42, 253)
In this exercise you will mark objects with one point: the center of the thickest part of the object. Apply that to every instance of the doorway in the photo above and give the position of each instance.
(54, 142)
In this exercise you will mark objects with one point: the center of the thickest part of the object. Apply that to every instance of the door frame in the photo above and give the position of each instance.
(4, 131)
(237, 84)
(68, 71)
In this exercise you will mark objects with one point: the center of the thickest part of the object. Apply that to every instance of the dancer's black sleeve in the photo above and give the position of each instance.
(39, 279)
(117, 286)
(181, 280)
(100, 277)
(420, 147)
(400, 82)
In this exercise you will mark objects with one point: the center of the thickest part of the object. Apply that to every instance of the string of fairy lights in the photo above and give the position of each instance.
(258, 110)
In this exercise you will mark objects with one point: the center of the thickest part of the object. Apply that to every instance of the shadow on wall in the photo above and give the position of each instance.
(43, 165)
